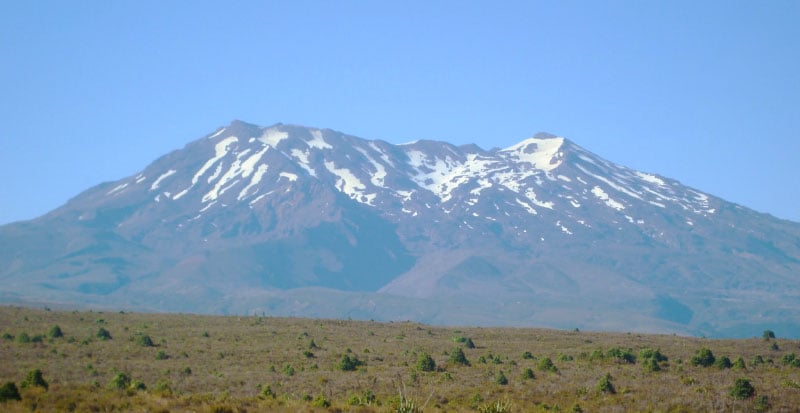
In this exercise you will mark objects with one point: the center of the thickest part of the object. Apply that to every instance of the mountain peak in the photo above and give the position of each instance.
(541, 151)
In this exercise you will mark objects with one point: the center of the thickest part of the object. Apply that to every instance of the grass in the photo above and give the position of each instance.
(236, 364)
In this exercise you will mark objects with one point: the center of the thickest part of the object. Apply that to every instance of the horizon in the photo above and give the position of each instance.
(706, 94)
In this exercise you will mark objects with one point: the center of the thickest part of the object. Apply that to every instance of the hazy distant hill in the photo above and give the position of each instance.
(290, 220)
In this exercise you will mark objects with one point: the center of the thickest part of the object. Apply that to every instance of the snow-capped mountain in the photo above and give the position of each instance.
(303, 221)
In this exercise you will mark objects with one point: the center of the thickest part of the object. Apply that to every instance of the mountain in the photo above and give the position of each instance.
(290, 220)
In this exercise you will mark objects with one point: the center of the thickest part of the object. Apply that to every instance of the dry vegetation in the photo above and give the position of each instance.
(230, 364)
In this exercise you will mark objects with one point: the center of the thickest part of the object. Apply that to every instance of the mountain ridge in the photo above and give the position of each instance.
(542, 232)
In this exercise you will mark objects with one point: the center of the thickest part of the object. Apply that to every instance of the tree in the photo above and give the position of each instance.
(768, 334)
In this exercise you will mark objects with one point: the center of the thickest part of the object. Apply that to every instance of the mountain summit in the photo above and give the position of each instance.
(290, 220)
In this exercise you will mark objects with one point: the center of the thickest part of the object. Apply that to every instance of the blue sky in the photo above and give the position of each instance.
(704, 92)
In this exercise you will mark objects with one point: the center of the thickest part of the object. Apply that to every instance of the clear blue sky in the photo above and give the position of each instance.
(706, 92)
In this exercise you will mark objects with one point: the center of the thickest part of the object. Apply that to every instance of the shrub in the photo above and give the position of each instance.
(621, 355)
(308, 354)
(497, 407)
(742, 389)
(9, 391)
(161, 355)
(604, 385)
(425, 362)
(267, 393)
(348, 363)
(527, 355)
(120, 381)
(35, 378)
(143, 340)
(649, 353)
(103, 334)
(758, 359)
(137, 385)
(528, 374)
(288, 370)
(55, 332)
(545, 364)
(651, 365)
(768, 334)
(457, 357)
(761, 403)
(787, 359)
(565, 357)
(23, 338)
(703, 357)
(501, 378)
(723, 363)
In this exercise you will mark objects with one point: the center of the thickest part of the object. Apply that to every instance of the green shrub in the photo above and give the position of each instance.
(308, 354)
(55, 332)
(320, 401)
(604, 385)
(457, 356)
(9, 391)
(761, 403)
(528, 374)
(742, 389)
(649, 353)
(137, 385)
(163, 387)
(768, 334)
(703, 357)
(103, 334)
(565, 357)
(349, 363)
(266, 392)
(723, 363)
(23, 338)
(161, 355)
(758, 359)
(545, 364)
(120, 381)
(7, 336)
(35, 378)
(425, 362)
(143, 340)
(787, 359)
(651, 365)
(288, 370)
(497, 407)
(621, 355)
(501, 378)
(527, 355)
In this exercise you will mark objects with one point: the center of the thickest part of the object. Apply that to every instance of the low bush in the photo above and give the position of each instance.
(9, 391)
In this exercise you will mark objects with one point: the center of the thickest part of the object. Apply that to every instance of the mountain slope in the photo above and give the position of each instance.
(294, 220)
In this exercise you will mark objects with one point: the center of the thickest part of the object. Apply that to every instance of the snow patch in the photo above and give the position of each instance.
(349, 184)
(273, 137)
(165, 175)
(542, 154)
(259, 173)
(650, 178)
(526, 206)
(600, 194)
(217, 133)
(317, 141)
(288, 175)
(117, 188)
(302, 158)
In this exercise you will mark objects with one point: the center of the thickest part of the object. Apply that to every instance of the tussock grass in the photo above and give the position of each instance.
(238, 363)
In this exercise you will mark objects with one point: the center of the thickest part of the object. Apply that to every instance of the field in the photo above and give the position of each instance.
(116, 361)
